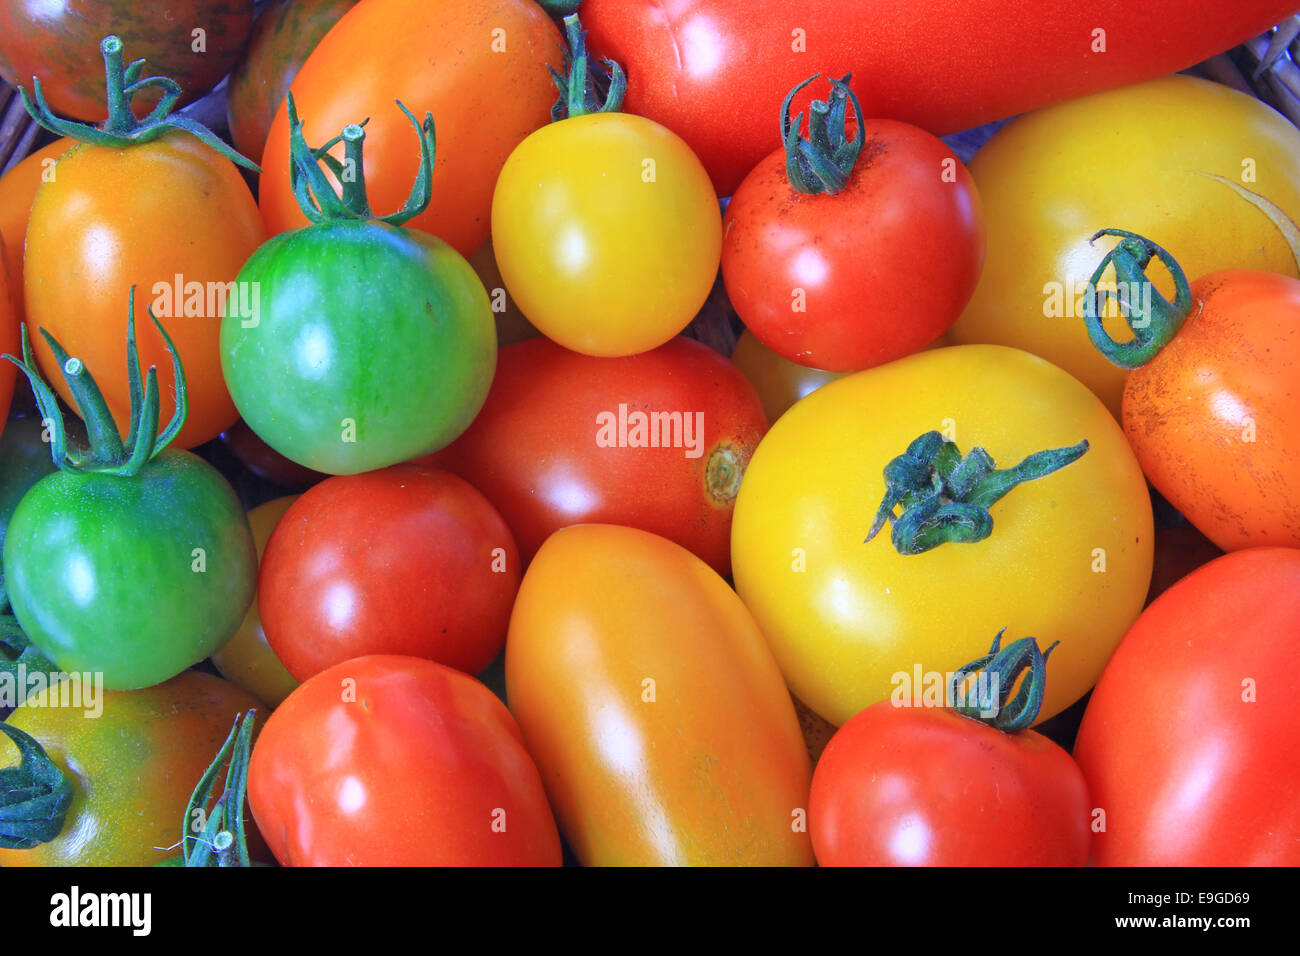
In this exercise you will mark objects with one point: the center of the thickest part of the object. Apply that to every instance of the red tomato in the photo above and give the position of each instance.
(556, 443)
(847, 280)
(404, 560)
(398, 761)
(1190, 739)
(917, 786)
(715, 71)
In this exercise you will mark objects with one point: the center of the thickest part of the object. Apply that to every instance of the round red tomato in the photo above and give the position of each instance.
(918, 786)
(404, 560)
(854, 263)
(1190, 739)
(398, 761)
(657, 441)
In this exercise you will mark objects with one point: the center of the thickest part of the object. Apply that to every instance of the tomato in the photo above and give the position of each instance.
(247, 659)
(657, 716)
(133, 759)
(1068, 557)
(479, 66)
(408, 560)
(137, 562)
(511, 325)
(715, 71)
(1139, 159)
(9, 336)
(371, 344)
(284, 34)
(607, 233)
(397, 761)
(1214, 416)
(163, 212)
(850, 270)
(195, 42)
(17, 190)
(916, 786)
(264, 461)
(566, 438)
(24, 460)
(1189, 740)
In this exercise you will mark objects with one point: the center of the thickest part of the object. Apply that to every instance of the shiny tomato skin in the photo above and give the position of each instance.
(917, 786)
(1214, 418)
(17, 190)
(656, 713)
(140, 216)
(247, 659)
(479, 66)
(607, 233)
(405, 560)
(1190, 737)
(133, 768)
(398, 761)
(872, 273)
(59, 42)
(534, 450)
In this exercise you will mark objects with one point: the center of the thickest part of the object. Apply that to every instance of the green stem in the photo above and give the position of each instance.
(946, 498)
(221, 840)
(824, 161)
(34, 796)
(581, 83)
(1152, 318)
(1000, 668)
(316, 195)
(121, 128)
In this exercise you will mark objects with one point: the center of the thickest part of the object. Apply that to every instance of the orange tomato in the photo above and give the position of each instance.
(479, 66)
(17, 190)
(655, 711)
(143, 216)
(9, 336)
(1214, 417)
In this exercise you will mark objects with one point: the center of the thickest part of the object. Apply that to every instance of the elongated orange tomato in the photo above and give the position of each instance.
(17, 190)
(656, 713)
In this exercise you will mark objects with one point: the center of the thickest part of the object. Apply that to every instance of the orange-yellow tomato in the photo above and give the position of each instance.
(653, 707)
(132, 766)
(17, 190)
(247, 659)
(170, 217)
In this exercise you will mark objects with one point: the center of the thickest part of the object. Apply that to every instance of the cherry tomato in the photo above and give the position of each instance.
(868, 261)
(658, 718)
(247, 659)
(406, 560)
(398, 761)
(918, 786)
(17, 190)
(133, 766)
(479, 66)
(1189, 740)
(1068, 554)
(779, 382)
(557, 443)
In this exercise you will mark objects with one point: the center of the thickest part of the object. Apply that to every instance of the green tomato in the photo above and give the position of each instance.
(24, 460)
(372, 345)
(137, 577)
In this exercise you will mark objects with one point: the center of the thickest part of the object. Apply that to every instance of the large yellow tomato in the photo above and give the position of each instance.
(853, 621)
(607, 232)
(1183, 161)
(653, 707)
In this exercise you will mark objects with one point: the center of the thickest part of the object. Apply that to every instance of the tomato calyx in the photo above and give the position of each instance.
(220, 839)
(585, 88)
(121, 128)
(107, 453)
(824, 161)
(316, 196)
(995, 674)
(1152, 318)
(946, 498)
(34, 796)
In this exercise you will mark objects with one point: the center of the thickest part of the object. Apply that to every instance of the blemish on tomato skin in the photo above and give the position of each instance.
(723, 471)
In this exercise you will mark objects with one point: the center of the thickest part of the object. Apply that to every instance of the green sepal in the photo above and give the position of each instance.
(580, 83)
(34, 796)
(822, 163)
(222, 841)
(1004, 665)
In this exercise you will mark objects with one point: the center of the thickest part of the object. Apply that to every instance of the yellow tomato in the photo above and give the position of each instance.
(653, 707)
(1180, 160)
(852, 621)
(247, 659)
(779, 382)
(607, 232)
